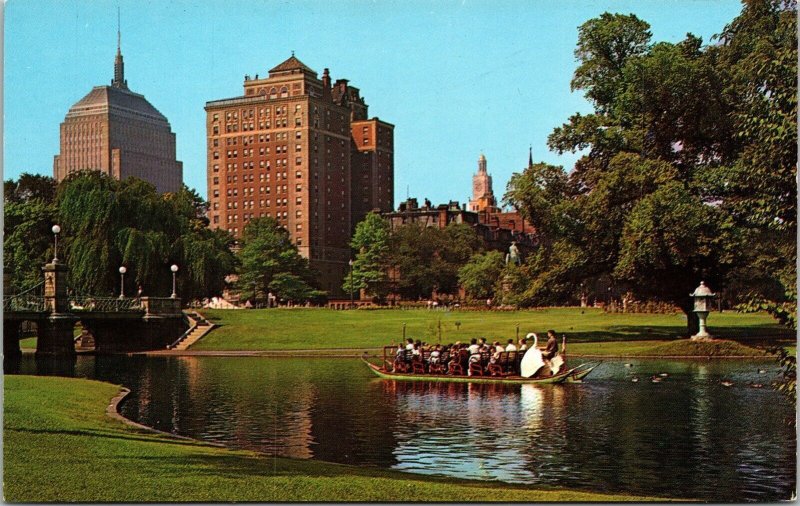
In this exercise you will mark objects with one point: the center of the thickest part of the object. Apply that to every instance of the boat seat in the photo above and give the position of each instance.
(500, 367)
(439, 368)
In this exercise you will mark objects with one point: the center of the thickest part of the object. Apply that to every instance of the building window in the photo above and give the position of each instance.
(284, 92)
(298, 174)
(298, 160)
(216, 155)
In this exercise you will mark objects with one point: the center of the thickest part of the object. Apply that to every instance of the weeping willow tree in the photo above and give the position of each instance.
(205, 254)
(108, 223)
(89, 212)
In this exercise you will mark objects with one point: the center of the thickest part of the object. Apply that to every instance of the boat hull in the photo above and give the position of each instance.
(509, 380)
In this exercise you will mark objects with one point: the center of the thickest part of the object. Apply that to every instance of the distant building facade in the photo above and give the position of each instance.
(302, 150)
(497, 234)
(484, 203)
(118, 132)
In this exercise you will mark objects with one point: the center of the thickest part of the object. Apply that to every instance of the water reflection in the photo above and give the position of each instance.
(687, 436)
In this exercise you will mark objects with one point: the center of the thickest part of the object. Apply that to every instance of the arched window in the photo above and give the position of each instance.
(273, 93)
(284, 92)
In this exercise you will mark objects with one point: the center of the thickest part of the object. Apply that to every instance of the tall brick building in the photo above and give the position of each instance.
(301, 150)
(118, 132)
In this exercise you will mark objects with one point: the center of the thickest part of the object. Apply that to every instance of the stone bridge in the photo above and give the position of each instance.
(117, 324)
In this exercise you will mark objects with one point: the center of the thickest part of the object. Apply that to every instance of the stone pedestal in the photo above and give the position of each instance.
(703, 334)
(55, 287)
(11, 336)
(55, 336)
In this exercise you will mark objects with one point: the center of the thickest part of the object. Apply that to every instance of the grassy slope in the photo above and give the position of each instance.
(275, 329)
(60, 446)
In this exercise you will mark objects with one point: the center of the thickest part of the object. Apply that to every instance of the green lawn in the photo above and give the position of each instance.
(59, 446)
(276, 329)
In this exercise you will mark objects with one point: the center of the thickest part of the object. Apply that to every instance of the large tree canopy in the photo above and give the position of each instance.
(689, 164)
(270, 263)
(108, 223)
(371, 246)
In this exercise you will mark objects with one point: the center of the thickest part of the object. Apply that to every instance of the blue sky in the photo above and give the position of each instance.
(455, 78)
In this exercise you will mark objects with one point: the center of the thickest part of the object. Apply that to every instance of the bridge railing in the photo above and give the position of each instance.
(31, 299)
(22, 303)
(87, 303)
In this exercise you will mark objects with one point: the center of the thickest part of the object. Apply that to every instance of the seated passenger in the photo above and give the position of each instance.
(497, 351)
(474, 347)
(551, 349)
(510, 346)
(410, 345)
(523, 344)
(436, 354)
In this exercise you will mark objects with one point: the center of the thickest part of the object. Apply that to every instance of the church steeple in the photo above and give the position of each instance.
(530, 157)
(119, 65)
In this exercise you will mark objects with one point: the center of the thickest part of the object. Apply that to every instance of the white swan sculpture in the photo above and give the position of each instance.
(532, 361)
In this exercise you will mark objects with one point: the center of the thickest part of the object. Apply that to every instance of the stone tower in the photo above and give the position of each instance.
(482, 194)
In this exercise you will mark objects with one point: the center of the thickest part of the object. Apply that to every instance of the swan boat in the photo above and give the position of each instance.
(512, 367)
(574, 375)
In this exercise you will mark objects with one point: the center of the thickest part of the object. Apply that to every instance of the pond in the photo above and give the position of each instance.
(687, 436)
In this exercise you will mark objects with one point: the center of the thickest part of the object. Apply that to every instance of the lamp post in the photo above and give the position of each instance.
(122, 271)
(702, 305)
(56, 230)
(174, 270)
(351, 283)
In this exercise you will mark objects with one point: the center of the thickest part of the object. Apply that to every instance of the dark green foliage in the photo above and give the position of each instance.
(427, 259)
(788, 383)
(371, 244)
(537, 192)
(29, 187)
(604, 46)
(27, 243)
(481, 274)
(270, 262)
(690, 167)
(107, 223)
(27, 237)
